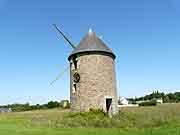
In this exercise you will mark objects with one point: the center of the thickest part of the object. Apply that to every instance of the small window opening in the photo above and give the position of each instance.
(75, 60)
(74, 87)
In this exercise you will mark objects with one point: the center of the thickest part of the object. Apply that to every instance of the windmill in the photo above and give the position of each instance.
(92, 75)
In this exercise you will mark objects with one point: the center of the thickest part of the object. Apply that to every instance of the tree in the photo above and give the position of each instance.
(53, 104)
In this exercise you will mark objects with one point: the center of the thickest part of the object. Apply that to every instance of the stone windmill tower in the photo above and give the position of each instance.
(92, 76)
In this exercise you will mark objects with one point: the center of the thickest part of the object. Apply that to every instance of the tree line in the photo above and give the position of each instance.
(27, 107)
(167, 98)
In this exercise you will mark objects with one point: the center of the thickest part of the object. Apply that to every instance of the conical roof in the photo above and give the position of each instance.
(91, 43)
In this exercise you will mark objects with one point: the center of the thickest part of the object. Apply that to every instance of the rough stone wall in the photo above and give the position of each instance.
(97, 82)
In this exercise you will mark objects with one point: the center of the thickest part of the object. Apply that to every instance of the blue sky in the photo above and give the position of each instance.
(143, 34)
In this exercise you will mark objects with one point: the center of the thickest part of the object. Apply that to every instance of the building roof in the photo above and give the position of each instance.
(5, 110)
(91, 43)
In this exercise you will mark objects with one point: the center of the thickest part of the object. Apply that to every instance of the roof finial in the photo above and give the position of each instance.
(90, 30)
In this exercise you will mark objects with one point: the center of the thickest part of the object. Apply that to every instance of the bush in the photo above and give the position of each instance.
(93, 118)
(27, 107)
(97, 111)
(148, 103)
(65, 104)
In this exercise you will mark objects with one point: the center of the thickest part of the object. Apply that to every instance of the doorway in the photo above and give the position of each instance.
(108, 104)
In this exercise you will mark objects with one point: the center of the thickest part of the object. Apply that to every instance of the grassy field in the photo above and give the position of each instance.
(158, 120)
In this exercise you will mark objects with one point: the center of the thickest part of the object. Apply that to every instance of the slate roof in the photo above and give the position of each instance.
(91, 43)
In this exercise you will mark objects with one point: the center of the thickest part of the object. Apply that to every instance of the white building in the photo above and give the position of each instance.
(5, 110)
(123, 101)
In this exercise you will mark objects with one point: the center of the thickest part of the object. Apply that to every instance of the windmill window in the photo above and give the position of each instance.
(76, 78)
(74, 87)
(71, 61)
(75, 61)
(75, 64)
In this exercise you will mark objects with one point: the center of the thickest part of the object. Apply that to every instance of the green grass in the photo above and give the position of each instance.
(157, 120)
(11, 129)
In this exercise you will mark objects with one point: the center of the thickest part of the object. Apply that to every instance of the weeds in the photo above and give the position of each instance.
(139, 117)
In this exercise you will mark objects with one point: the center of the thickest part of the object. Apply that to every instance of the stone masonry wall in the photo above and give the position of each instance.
(97, 82)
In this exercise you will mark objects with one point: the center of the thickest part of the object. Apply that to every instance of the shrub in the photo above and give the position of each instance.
(52, 104)
(64, 104)
(148, 103)
(93, 118)
(97, 111)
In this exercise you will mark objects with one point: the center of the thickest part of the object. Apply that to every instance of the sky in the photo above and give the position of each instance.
(144, 35)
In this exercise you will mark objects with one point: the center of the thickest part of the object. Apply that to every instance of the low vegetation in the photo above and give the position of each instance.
(152, 120)
(148, 103)
(140, 117)
(27, 107)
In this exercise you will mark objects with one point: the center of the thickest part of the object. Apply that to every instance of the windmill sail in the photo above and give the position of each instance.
(69, 42)
(60, 75)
